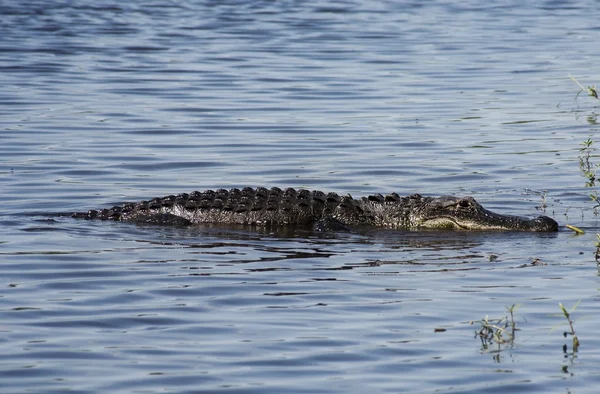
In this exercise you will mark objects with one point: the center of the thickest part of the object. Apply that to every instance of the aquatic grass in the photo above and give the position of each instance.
(567, 314)
(576, 229)
(585, 164)
(594, 197)
(544, 203)
(500, 331)
(591, 90)
(589, 170)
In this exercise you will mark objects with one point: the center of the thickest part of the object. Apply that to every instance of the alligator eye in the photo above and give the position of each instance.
(464, 203)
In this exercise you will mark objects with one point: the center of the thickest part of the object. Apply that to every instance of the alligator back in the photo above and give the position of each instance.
(260, 206)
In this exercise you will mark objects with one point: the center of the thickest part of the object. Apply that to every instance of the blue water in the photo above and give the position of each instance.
(113, 102)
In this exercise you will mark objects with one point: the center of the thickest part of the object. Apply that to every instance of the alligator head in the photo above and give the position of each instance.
(466, 213)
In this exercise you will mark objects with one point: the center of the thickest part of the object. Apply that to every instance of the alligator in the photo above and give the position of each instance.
(273, 207)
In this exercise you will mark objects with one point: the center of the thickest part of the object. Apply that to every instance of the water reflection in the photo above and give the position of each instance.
(210, 248)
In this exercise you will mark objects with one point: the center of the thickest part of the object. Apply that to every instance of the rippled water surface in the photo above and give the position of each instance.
(108, 102)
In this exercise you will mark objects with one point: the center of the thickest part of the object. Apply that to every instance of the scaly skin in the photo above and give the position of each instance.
(290, 207)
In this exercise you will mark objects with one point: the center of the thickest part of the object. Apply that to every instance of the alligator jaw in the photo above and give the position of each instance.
(465, 213)
(493, 221)
(441, 223)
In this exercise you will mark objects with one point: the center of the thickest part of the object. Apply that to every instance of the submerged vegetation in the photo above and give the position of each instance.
(567, 315)
(502, 331)
(499, 331)
(499, 334)
(589, 171)
(591, 90)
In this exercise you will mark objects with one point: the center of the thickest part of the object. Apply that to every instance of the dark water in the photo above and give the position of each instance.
(109, 102)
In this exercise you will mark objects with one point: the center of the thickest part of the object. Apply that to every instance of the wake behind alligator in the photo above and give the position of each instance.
(321, 211)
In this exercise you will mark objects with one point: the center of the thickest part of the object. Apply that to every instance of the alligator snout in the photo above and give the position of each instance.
(543, 223)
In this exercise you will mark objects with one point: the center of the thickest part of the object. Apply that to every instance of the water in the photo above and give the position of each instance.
(102, 104)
